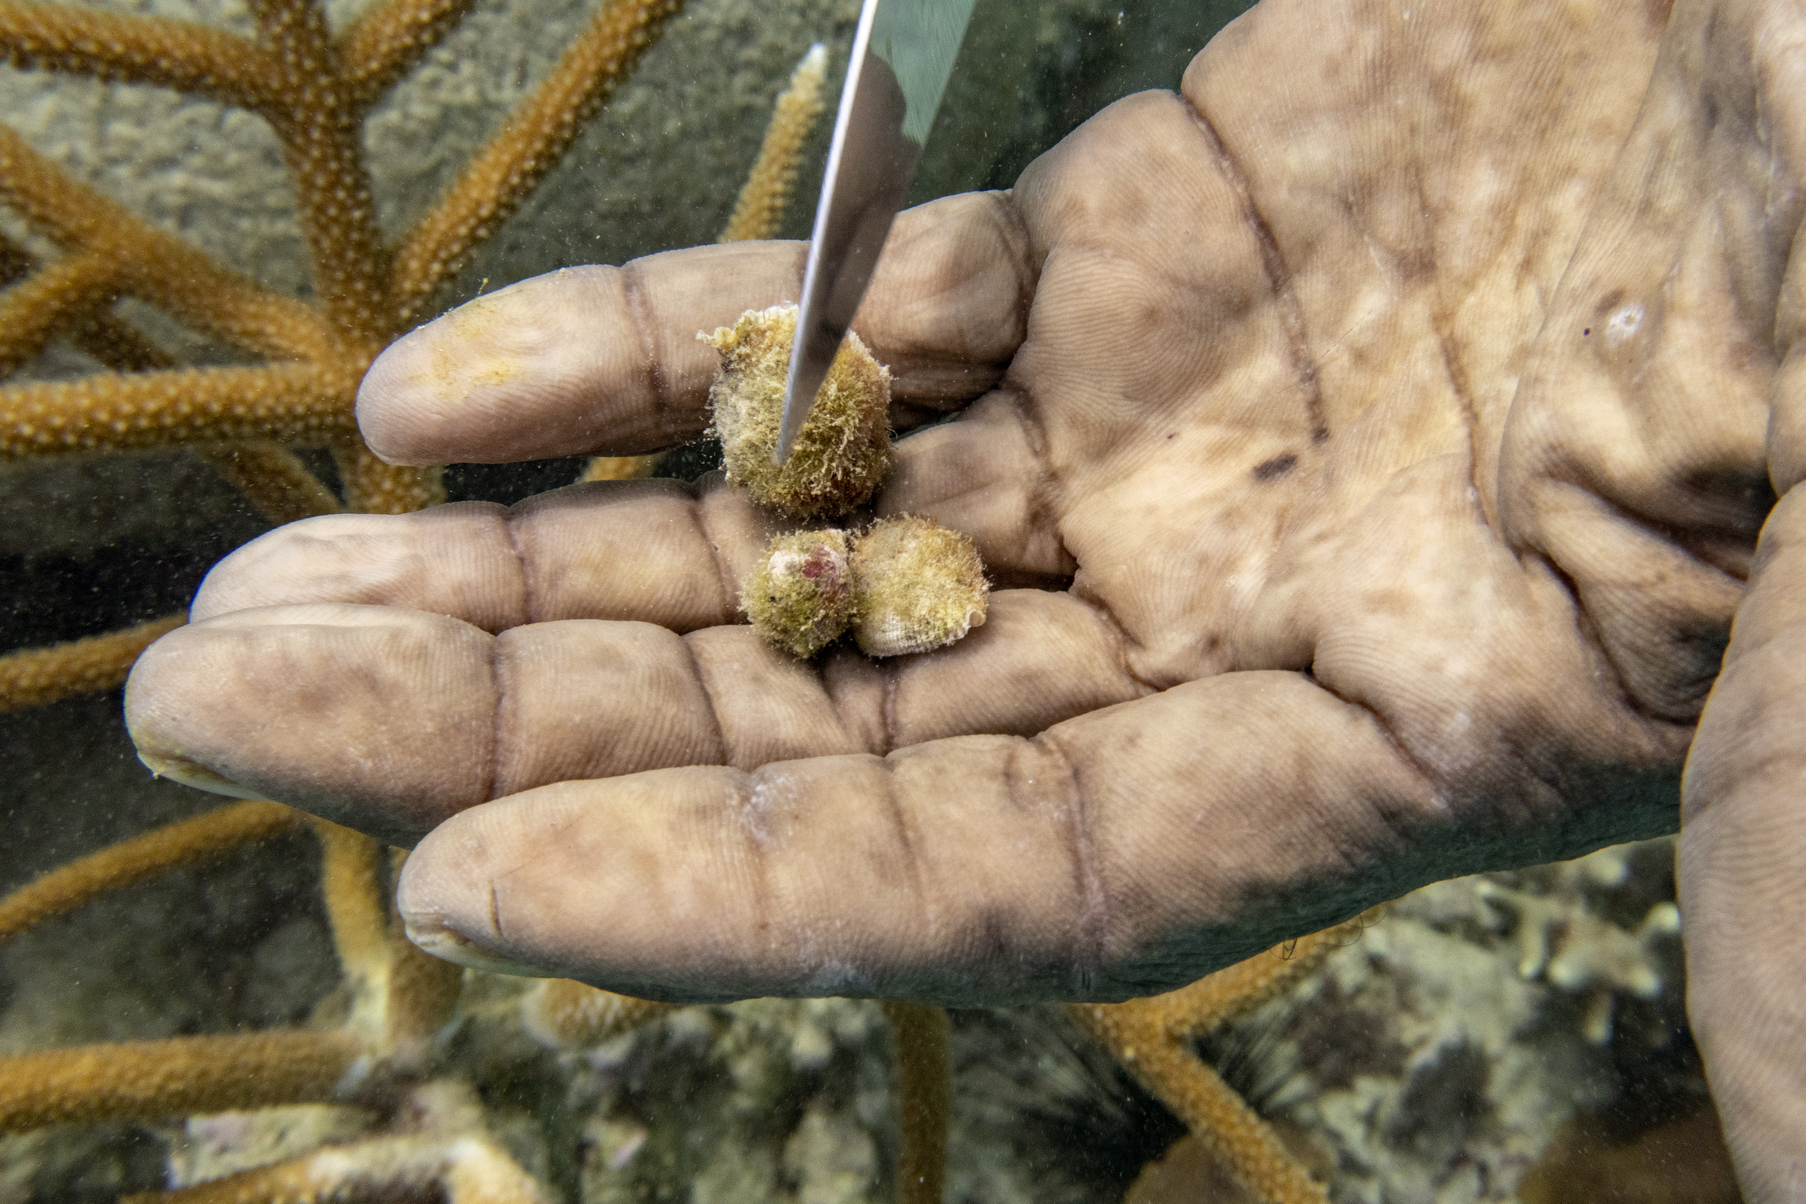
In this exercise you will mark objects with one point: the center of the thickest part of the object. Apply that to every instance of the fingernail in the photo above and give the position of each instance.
(432, 935)
(193, 773)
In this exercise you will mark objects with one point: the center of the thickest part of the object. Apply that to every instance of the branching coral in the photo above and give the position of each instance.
(560, 1012)
(1151, 1037)
(183, 1074)
(464, 1170)
(314, 89)
(206, 836)
(180, 1074)
(1565, 938)
(401, 1000)
(766, 195)
(38, 676)
(924, 1089)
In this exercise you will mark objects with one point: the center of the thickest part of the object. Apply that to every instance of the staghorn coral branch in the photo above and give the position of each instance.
(1150, 1038)
(1233, 991)
(37, 677)
(181, 1074)
(15, 261)
(423, 992)
(34, 312)
(372, 487)
(76, 40)
(67, 295)
(165, 271)
(402, 997)
(535, 138)
(386, 41)
(117, 343)
(72, 215)
(1210, 1108)
(273, 479)
(564, 1013)
(354, 906)
(465, 1170)
(319, 127)
(294, 403)
(924, 1099)
(192, 840)
(766, 194)
(220, 302)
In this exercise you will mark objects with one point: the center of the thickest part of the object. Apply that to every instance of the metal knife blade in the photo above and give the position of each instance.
(903, 53)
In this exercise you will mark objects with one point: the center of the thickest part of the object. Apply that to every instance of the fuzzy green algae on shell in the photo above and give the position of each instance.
(916, 585)
(800, 598)
(843, 450)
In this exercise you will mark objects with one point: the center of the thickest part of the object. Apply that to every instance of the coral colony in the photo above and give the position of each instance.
(315, 87)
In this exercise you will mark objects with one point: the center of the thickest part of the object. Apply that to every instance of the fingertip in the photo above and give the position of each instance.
(583, 360)
(447, 901)
(392, 397)
(162, 672)
(545, 367)
(437, 936)
(378, 718)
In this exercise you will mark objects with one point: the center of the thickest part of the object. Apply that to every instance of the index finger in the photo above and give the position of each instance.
(605, 360)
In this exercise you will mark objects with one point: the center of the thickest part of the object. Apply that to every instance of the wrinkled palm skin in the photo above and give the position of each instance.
(1370, 440)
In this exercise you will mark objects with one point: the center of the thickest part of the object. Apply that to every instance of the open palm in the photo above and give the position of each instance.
(1368, 443)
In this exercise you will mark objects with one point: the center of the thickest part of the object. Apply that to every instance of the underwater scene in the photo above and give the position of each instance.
(209, 998)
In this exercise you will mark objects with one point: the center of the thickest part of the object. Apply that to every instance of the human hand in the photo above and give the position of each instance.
(1369, 442)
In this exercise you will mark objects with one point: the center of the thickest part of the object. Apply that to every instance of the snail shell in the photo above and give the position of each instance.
(916, 585)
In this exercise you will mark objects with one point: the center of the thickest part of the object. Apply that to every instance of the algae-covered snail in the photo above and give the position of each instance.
(841, 453)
